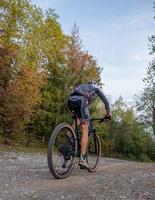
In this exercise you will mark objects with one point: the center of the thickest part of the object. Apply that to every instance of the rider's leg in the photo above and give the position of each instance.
(80, 106)
(84, 139)
(74, 123)
(84, 133)
(84, 142)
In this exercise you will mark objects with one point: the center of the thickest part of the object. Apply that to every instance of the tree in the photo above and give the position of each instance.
(21, 76)
(39, 65)
(146, 102)
(6, 74)
(152, 40)
(67, 65)
(52, 106)
(123, 136)
(80, 65)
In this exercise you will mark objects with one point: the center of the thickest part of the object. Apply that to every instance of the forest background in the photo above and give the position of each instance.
(40, 65)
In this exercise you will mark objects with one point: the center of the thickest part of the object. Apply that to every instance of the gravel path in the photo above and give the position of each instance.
(26, 176)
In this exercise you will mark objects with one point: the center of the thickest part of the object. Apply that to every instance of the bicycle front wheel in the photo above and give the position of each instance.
(62, 149)
(93, 152)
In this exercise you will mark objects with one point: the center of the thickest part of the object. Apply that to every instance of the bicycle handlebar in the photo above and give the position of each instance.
(99, 119)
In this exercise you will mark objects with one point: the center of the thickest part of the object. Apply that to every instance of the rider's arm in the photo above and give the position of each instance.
(104, 99)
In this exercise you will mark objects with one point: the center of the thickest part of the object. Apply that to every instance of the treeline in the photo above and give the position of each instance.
(39, 65)
(126, 136)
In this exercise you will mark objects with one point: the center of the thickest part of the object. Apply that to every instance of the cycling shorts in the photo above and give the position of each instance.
(79, 107)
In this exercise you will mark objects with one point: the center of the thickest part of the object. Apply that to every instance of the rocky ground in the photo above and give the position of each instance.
(26, 176)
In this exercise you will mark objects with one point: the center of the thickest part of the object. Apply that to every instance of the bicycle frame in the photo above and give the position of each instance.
(92, 130)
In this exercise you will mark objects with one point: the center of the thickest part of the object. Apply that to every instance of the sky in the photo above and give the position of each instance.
(116, 33)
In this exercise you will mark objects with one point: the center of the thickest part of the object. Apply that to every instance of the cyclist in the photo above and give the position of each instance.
(78, 103)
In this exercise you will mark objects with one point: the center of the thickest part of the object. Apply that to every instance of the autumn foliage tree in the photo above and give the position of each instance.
(80, 66)
(6, 73)
(68, 66)
(21, 78)
(39, 65)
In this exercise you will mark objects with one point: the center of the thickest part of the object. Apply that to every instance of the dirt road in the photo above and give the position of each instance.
(26, 176)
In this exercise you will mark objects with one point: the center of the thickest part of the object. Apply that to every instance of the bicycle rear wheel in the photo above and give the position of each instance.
(93, 152)
(62, 149)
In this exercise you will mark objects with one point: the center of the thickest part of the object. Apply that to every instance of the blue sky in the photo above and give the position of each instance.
(116, 34)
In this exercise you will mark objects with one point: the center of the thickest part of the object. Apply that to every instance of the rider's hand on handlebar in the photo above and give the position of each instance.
(107, 117)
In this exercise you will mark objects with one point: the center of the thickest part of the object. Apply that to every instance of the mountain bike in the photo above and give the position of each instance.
(64, 149)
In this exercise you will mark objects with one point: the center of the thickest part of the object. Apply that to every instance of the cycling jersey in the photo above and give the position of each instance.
(90, 91)
(82, 96)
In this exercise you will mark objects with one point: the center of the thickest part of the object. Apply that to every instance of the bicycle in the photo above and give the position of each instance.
(64, 148)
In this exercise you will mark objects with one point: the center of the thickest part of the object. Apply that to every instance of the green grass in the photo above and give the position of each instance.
(31, 149)
(143, 158)
(35, 147)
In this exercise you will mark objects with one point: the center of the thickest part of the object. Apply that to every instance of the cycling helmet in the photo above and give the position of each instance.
(93, 83)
